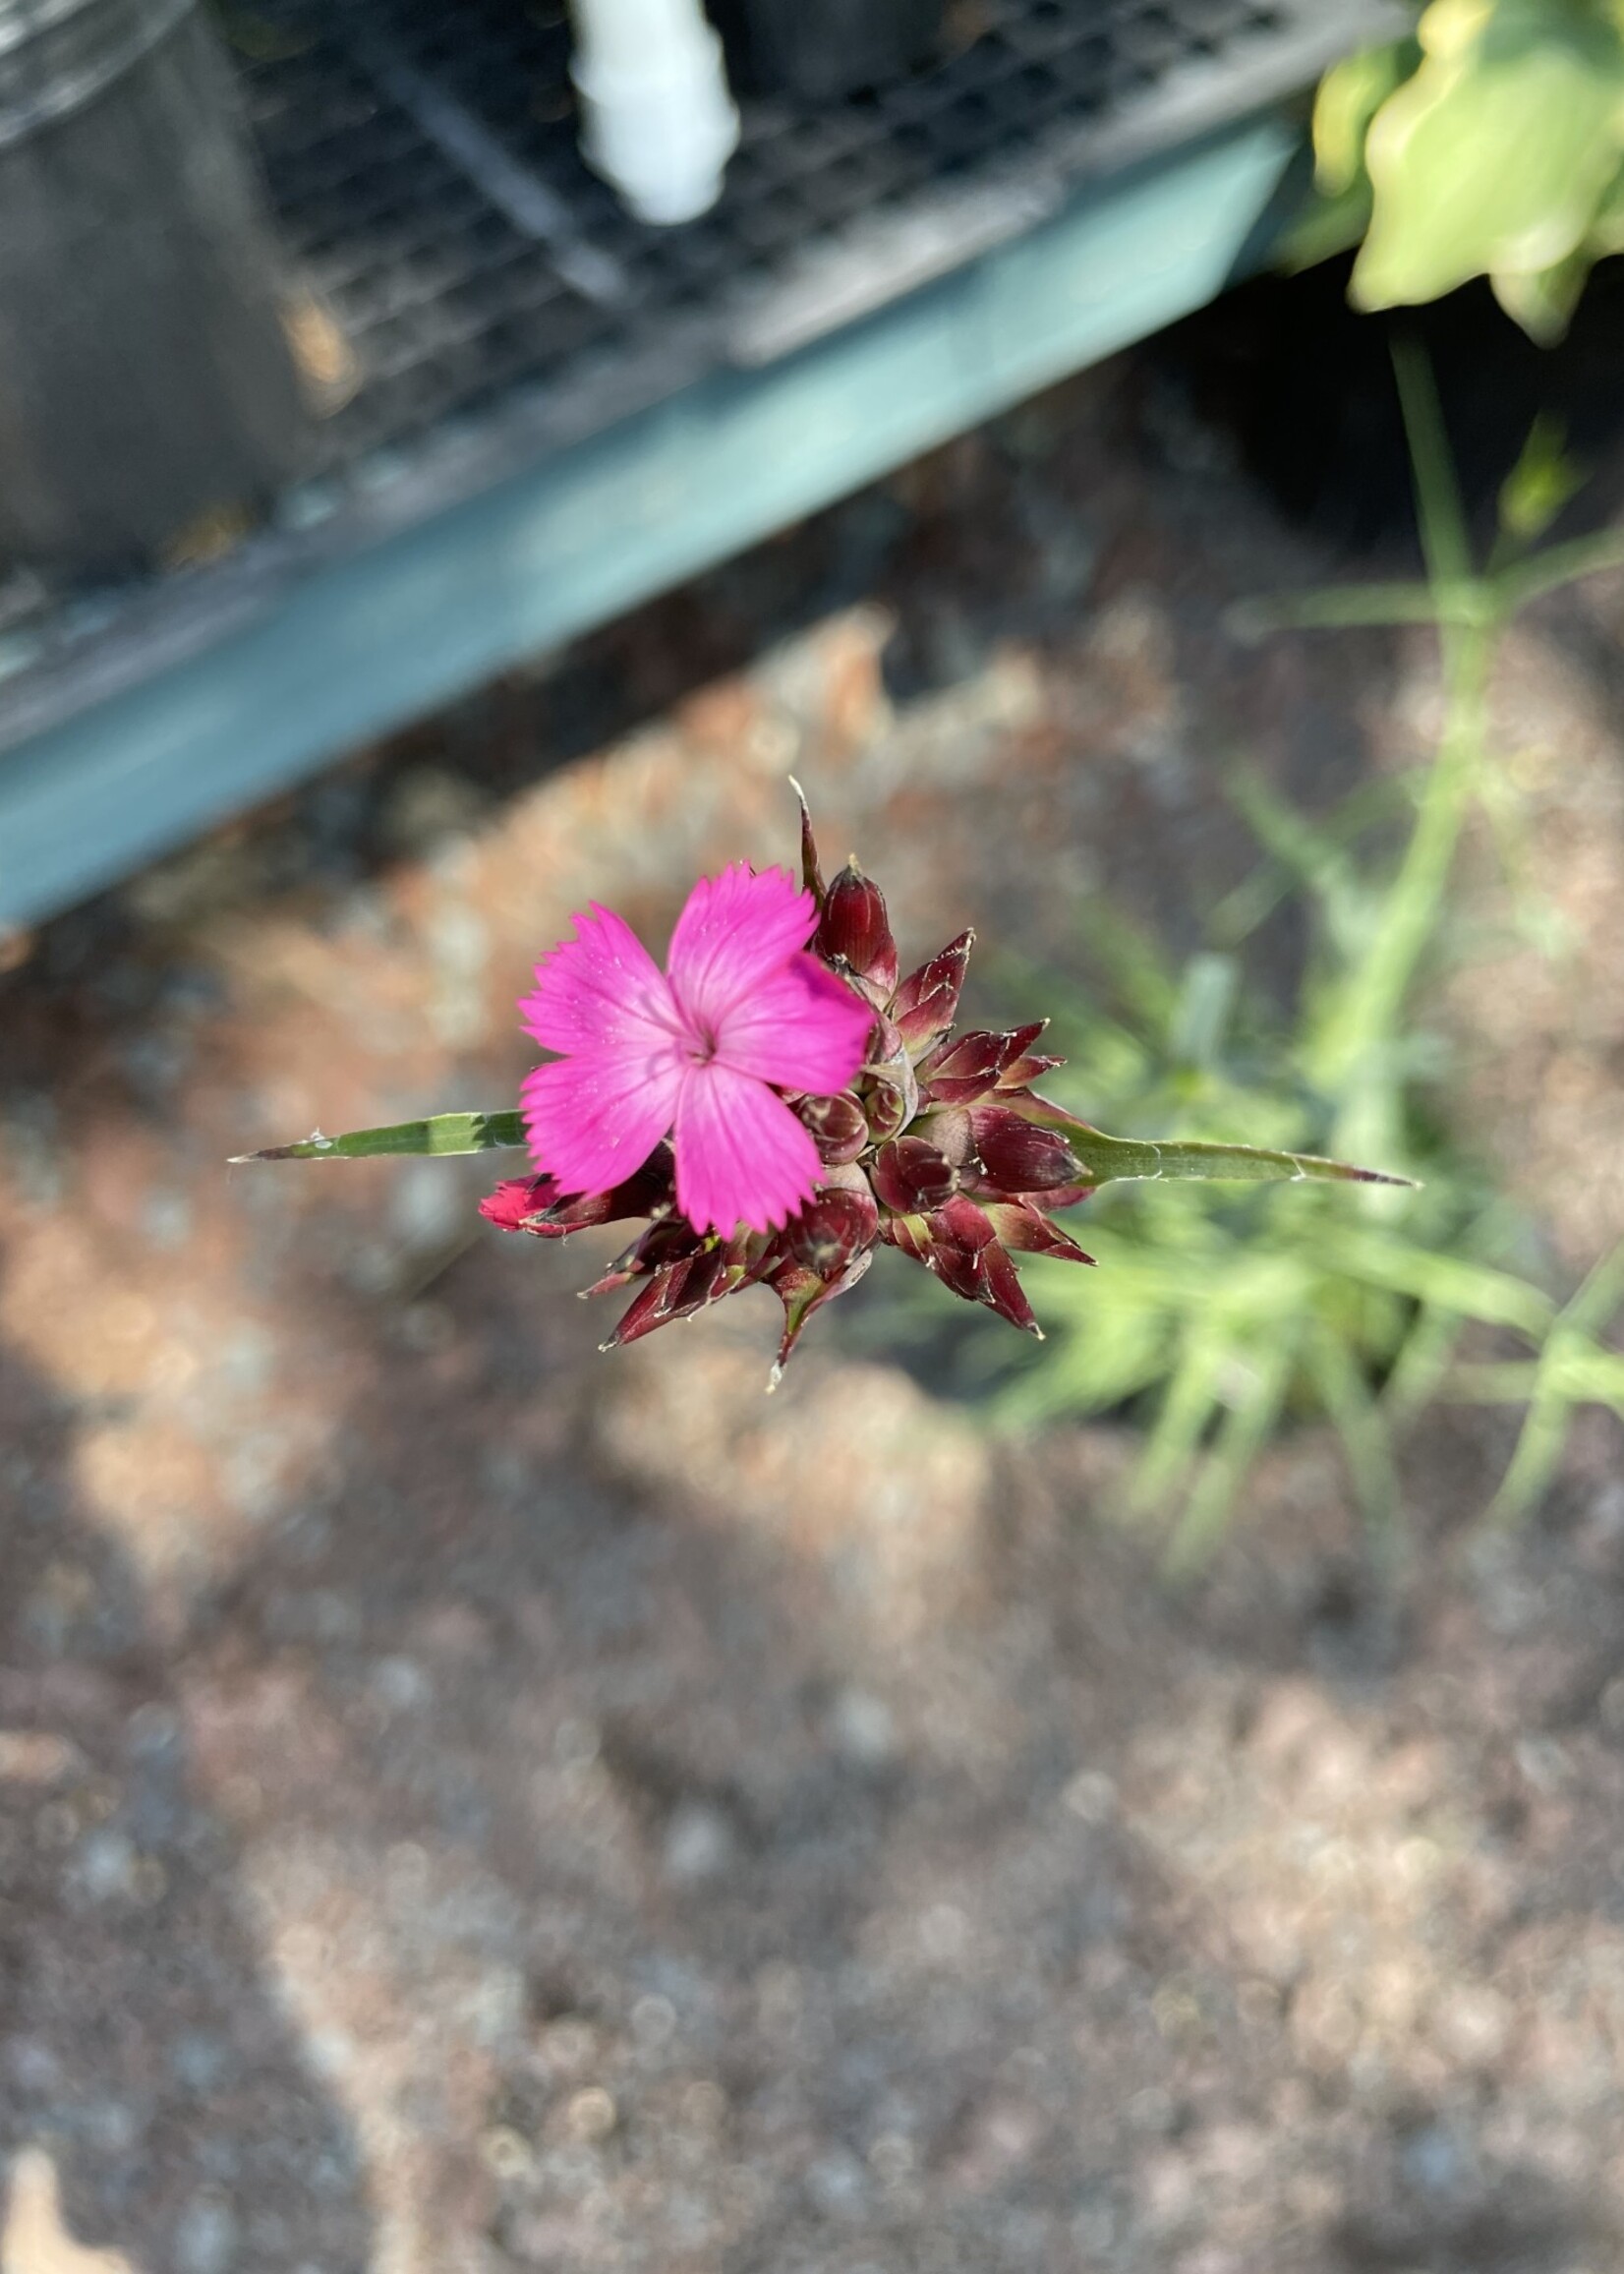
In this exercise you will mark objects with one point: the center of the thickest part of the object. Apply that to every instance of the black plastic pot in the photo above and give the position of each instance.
(822, 49)
(145, 381)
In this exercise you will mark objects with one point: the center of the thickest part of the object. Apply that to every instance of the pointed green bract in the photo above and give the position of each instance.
(1112, 1160)
(1574, 1369)
(442, 1134)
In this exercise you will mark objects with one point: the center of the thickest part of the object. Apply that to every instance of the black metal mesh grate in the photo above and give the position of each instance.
(493, 300)
(450, 303)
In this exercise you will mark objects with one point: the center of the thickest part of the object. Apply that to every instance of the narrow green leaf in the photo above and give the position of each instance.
(1241, 1435)
(1557, 566)
(1188, 1403)
(1356, 606)
(1572, 1371)
(1580, 1376)
(1446, 1282)
(1239, 912)
(1137, 968)
(1538, 1455)
(446, 1133)
(1440, 514)
(1362, 1426)
(1491, 1382)
(1424, 1356)
(1422, 1361)
(1599, 1295)
(1201, 1016)
(1312, 852)
(1535, 917)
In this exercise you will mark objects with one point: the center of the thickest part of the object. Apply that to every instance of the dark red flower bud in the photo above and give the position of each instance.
(857, 931)
(839, 1125)
(909, 1234)
(966, 1068)
(961, 1066)
(1025, 1229)
(802, 1291)
(958, 1268)
(910, 1177)
(534, 1204)
(958, 1244)
(671, 1240)
(835, 1226)
(691, 1282)
(1016, 1156)
(1021, 1063)
(961, 1222)
(891, 1098)
(1069, 1196)
(948, 1129)
(926, 1004)
(1002, 1291)
(675, 1292)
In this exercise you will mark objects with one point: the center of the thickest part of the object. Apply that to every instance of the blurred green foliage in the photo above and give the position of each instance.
(1219, 1321)
(1489, 144)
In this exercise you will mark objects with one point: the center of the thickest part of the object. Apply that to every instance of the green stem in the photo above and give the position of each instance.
(1372, 1006)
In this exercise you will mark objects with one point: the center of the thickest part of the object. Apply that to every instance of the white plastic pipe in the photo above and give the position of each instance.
(657, 119)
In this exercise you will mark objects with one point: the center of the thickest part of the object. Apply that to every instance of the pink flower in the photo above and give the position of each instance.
(698, 1050)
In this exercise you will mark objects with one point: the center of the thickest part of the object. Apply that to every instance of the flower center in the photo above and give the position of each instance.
(702, 1045)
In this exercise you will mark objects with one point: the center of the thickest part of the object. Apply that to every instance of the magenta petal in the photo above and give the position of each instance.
(599, 991)
(801, 1027)
(593, 1120)
(735, 929)
(741, 1156)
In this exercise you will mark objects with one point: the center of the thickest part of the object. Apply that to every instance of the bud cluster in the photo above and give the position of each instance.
(939, 1149)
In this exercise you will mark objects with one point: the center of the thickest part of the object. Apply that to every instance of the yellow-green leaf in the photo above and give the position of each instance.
(1496, 156)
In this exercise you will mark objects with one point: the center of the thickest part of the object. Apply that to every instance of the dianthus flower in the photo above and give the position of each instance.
(699, 1052)
(817, 1107)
